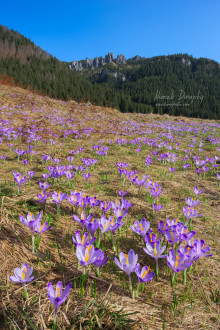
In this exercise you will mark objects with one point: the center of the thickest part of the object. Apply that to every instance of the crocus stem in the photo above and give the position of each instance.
(173, 278)
(130, 287)
(100, 237)
(58, 208)
(113, 242)
(157, 271)
(84, 270)
(184, 276)
(33, 243)
(25, 292)
(55, 319)
(138, 286)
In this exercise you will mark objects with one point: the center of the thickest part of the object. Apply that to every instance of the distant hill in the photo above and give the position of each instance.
(176, 84)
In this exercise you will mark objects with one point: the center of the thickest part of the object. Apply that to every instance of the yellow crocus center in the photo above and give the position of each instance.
(172, 236)
(177, 258)
(144, 273)
(23, 273)
(83, 216)
(58, 292)
(141, 226)
(58, 195)
(83, 238)
(126, 256)
(155, 249)
(42, 227)
(87, 253)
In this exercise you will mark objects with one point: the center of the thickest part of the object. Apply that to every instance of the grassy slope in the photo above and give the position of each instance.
(56, 259)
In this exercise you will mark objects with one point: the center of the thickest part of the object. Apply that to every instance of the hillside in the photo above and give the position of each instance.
(54, 146)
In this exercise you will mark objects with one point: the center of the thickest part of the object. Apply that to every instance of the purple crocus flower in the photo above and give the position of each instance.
(192, 202)
(69, 175)
(41, 228)
(127, 262)
(150, 238)
(25, 162)
(58, 197)
(57, 297)
(155, 192)
(141, 228)
(94, 202)
(190, 212)
(92, 226)
(83, 219)
(199, 249)
(46, 158)
(155, 251)
(82, 241)
(100, 261)
(122, 193)
(197, 191)
(31, 221)
(177, 262)
(172, 235)
(144, 275)
(31, 174)
(56, 160)
(44, 185)
(20, 179)
(23, 275)
(86, 176)
(74, 197)
(162, 227)
(43, 196)
(105, 206)
(87, 255)
(70, 159)
(109, 225)
(157, 207)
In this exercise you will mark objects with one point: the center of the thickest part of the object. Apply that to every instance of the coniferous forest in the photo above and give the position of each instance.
(176, 84)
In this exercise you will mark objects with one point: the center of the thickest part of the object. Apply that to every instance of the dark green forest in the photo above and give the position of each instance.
(149, 85)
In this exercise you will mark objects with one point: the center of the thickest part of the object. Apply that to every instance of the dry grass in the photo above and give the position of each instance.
(197, 309)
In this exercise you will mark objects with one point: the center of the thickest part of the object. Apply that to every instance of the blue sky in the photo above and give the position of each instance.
(74, 30)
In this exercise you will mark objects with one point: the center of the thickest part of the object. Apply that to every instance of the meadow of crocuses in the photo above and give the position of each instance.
(108, 220)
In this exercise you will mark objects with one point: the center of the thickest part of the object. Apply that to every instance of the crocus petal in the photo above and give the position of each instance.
(65, 293)
(14, 279)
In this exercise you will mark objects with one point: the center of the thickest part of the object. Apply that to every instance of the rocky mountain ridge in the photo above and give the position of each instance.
(100, 61)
